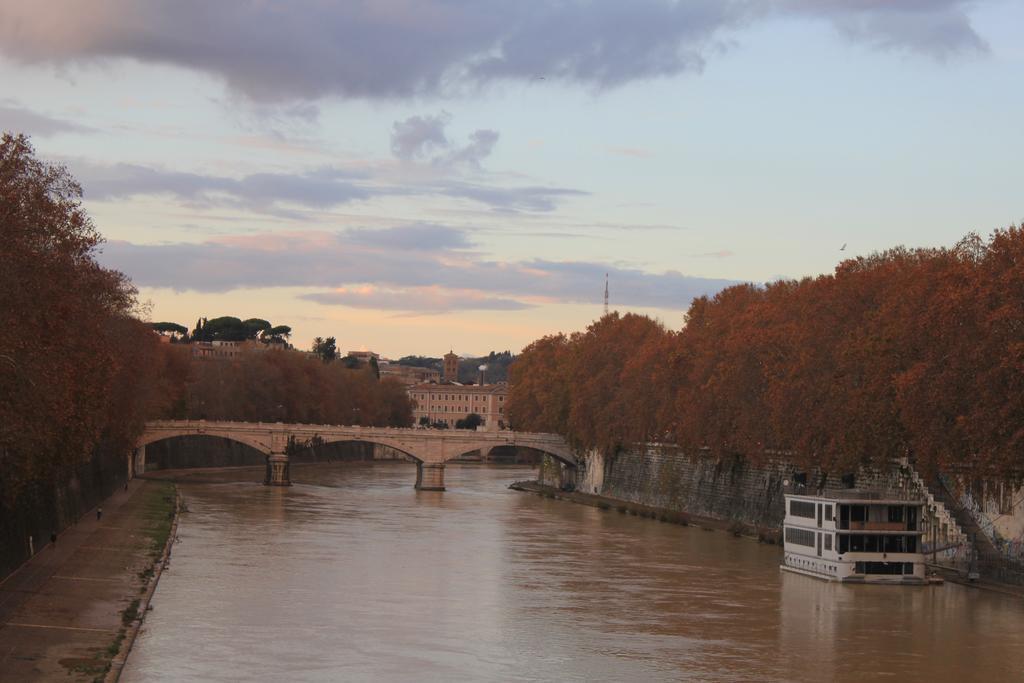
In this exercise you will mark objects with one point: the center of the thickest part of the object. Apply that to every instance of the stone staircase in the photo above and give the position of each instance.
(975, 548)
(941, 506)
(990, 560)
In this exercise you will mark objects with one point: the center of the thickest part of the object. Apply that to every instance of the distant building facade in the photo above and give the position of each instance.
(364, 356)
(221, 350)
(409, 374)
(229, 350)
(449, 402)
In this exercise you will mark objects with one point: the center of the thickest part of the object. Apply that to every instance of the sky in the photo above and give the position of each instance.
(414, 176)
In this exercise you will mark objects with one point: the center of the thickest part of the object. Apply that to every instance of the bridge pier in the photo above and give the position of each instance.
(137, 462)
(429, 476)
(277, 470)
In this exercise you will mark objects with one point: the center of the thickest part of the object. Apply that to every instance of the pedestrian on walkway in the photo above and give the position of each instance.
(99, 513)
(53, 539)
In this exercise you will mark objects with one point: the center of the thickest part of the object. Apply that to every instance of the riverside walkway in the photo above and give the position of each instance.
(61, 612)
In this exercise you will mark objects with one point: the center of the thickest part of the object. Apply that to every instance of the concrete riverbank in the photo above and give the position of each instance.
(70, 612)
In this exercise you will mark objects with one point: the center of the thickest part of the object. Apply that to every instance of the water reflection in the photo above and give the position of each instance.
(353, 575)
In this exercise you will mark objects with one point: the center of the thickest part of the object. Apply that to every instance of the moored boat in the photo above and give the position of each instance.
(854, 538)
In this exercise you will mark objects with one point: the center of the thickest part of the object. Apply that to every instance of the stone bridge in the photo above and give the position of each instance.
(430, 448)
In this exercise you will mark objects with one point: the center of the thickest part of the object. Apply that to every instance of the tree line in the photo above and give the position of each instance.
(226, 328)
(286, 386)
(80, 373)
(77, 368)
(908, 352)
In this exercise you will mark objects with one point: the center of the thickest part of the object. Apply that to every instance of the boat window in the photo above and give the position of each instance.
(871, 543)
(800, 537)
(801, 508)
(884, 568)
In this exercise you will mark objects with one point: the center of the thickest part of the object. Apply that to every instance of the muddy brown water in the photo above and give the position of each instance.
(352, 575)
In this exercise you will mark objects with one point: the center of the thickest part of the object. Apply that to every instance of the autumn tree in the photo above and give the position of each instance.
(915, 353)
(73, 362)
(267, 386)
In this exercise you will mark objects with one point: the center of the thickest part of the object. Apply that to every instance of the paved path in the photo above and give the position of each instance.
(63, 606)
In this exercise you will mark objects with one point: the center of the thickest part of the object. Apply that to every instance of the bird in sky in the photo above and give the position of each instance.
(843, 248)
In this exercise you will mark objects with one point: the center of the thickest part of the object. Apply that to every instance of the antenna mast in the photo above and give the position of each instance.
(606, 293)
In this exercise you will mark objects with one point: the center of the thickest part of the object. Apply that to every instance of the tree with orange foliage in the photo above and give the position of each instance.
(73, 361)
(908, 352)
(272, 385)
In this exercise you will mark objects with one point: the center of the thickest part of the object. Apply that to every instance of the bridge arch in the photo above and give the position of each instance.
(148, 437)
(345, 438)
(484, 447)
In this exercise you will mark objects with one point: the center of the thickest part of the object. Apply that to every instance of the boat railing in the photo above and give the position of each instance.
(850, 494)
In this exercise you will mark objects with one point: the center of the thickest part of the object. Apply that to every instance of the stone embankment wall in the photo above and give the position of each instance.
(43, 508)
(732, 489)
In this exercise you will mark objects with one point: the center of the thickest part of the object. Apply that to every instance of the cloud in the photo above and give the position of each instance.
(415, 260)
(481, 144)
(17, 119)
(263, 192)
(513, 199)
(315, 189)
(419, 299)
(418, 137)
(636, 152)
(938, 28)
(423, 138)
(417, 237)
(306, 49)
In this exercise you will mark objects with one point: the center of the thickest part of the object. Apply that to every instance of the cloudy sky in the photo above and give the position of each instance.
(411, 176)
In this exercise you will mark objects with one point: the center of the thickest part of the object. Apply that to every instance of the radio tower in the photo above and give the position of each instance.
(606, 293)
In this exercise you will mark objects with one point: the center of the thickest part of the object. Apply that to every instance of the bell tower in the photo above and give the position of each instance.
(451, 367)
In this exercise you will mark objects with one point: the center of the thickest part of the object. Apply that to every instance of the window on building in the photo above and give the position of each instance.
(828, 541)
(828, 513)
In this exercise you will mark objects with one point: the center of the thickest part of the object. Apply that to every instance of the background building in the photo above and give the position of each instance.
(448, 403)
(409, 374)
(364, 357)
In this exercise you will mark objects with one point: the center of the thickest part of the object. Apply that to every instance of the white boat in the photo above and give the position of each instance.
(856, 538)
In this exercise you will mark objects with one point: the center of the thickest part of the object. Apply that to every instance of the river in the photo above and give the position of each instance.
(352, 575)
